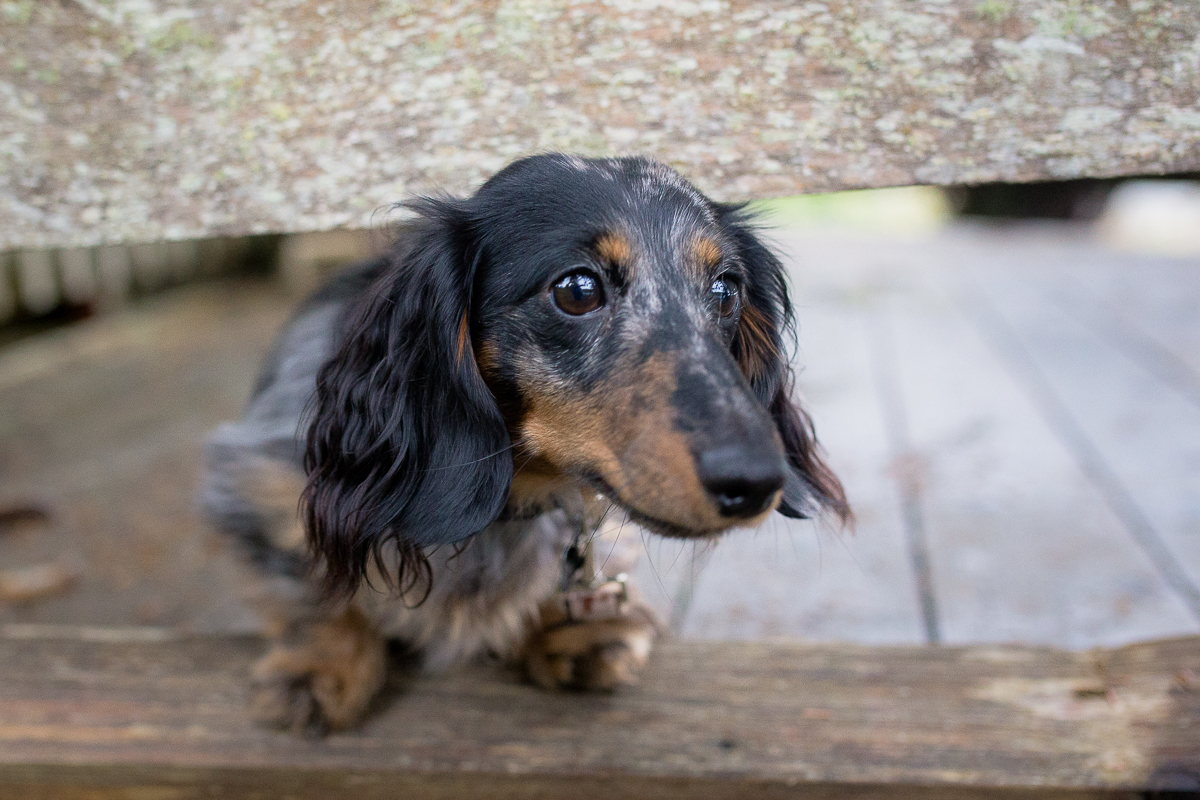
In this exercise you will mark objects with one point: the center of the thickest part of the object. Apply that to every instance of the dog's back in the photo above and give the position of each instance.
(254, 466)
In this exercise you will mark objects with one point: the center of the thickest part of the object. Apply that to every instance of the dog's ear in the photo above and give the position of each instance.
(407, 448)
(810, 487)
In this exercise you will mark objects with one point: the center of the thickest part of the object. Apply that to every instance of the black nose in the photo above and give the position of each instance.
(742, 480)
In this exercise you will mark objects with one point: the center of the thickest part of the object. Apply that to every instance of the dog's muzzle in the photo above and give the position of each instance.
(742, 479)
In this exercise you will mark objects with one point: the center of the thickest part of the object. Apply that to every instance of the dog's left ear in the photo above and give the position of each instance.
(407, 448)
(810, 486)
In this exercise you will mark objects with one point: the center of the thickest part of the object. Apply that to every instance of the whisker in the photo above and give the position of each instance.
(468, 463)
(616, 540)
(653, 569)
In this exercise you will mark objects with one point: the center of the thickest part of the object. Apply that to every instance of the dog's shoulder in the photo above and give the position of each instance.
(307, 339)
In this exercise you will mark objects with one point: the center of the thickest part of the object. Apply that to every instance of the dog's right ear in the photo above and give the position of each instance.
(407, 447)
(810, 486)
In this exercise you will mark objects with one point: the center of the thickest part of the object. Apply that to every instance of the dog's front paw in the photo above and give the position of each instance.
(596, 655)
(322, 678)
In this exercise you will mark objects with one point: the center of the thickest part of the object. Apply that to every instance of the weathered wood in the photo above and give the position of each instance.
(8, 294)
(35, 279)
(78, 274)
(1088, 396)
(1148, 312)
(1023, 546)
(710, 720)
(135, 121)
(1001, 491)
(796, 579)
(102, 424)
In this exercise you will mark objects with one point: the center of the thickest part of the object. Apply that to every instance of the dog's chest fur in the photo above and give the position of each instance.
(484, 597)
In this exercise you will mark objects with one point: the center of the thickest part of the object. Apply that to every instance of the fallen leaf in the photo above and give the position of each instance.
(36, 581)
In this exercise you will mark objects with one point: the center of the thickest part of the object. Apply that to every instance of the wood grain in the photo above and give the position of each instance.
(129, 120)
(709, 720)
(102, 426)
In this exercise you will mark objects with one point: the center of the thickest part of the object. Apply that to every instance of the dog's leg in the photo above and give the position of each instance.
(599, 652)
(326, 662)
(593, 655)
(321, 675)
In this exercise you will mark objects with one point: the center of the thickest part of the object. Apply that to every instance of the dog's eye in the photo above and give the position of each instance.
(578, 292)
(726, 294)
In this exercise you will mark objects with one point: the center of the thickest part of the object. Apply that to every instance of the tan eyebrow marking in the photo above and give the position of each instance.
(615, 248)
(706, 251)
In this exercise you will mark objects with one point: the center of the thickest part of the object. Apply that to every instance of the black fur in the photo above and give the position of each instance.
(407, 445)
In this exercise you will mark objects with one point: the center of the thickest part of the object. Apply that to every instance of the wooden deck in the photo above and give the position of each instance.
(93, 715)
(1016, 416)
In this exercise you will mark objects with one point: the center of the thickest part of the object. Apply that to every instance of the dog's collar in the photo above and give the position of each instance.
(585, 594)
(578, 562)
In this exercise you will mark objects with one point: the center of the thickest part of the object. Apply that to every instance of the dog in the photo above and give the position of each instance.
(452, 417)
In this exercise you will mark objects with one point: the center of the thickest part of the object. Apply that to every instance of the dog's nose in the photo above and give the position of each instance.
(742, 480)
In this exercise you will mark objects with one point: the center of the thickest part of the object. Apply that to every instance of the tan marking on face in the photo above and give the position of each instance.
(615, 248)
(565, 432)
(642, 456)
(757, 349)
(707, 253)
(660, 470)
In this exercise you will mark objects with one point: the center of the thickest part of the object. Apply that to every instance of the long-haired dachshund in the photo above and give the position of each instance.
(578, 334)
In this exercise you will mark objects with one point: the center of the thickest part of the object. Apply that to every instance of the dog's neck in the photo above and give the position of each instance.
(538, 487)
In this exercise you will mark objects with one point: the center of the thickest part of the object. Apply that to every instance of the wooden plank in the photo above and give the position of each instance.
(128, 121)
(114, 267)
(151, 269)
(1134, 433)
(1145, 307)
(183, 258)
(709, 720)
(1026, 548)
(1022, 547)
(8, 289)
(905, 465)
(36, 281)
(78, 275)
(102, 424)
(800, 580)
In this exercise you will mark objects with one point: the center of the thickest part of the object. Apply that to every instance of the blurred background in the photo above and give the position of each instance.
(1006, 377)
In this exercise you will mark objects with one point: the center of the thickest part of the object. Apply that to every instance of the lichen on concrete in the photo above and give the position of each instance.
(135, 120)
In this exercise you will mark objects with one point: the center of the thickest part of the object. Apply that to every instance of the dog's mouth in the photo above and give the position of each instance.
(652, 523)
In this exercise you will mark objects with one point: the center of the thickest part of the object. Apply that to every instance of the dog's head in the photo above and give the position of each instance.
(575, 322)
